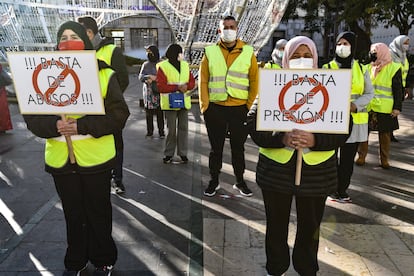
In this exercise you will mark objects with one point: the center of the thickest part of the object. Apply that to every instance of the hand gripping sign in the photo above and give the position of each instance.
(314, 100)
(61, 82)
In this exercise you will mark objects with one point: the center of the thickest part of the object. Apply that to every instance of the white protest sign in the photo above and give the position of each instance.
(59, 82)
(314, 100)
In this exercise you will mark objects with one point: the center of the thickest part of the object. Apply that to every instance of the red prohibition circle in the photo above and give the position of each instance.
(318, 88)
(46, 95)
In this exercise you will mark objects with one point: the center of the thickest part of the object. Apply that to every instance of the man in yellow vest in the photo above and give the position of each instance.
(361, 94)
(228, 85)
(111, 55)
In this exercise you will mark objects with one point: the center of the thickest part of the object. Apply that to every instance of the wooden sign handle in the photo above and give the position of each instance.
(298, 167)
(69, 143)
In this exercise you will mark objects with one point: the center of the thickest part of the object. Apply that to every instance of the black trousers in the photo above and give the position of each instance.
(305, 251)
(220, 119)
(149, 114)
(88, 213)
(346, 167)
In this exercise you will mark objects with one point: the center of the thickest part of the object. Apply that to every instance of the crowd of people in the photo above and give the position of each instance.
(228, 95)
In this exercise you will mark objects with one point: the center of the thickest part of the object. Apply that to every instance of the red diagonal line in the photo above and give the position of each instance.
(296, 106)
(51, 90)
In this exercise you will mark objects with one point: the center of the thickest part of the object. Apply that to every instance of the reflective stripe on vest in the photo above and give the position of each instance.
(283, 155)
(383, 100)
(174, 78)
(357, 89)
(105, 53)
(88, 151)
(233, 81)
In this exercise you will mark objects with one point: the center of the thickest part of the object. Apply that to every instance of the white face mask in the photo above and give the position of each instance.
(301, 63)
(343, 51)
(228, 35)
(405, 47)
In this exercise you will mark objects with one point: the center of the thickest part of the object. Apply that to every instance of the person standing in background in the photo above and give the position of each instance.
(174, 80)
(277, 55)
(228, 85)
(386, 105)
(399, 47)
(84, 186)
(5, 120)
(361, 94)
(151, 96)
(111, 55)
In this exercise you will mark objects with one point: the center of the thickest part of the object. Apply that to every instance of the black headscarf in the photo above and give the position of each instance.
(172, 53)
(351, 38)
(153, 54)
(78, 29)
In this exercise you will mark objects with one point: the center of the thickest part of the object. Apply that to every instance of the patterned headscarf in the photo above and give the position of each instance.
(294, 44)
(383, 57)
(397, 52)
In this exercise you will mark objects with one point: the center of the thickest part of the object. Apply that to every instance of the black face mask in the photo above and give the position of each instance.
(372, 57)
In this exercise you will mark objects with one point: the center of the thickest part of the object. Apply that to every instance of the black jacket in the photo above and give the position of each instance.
(316, 180)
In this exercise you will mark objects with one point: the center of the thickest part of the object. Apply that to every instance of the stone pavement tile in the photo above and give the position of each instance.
(379, 264)
(388, 240)
(404, 263)
(406, 234)
(137, 256)
(213, 232)
(257, 233)
(240, 261)
(236, 234)
(349, 237)
(345, 262)
(213, 260)
(27, 257)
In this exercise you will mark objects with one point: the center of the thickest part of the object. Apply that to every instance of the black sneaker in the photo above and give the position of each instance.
(243, 189)
(74, 272)
(119, 188)
(184, 159)
(149, 136)
(211, 189)
(103, 271)
(162, 135)
(167, 159)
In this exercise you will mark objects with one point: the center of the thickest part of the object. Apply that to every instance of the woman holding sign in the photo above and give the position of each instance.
(275, 174)
(84, 186)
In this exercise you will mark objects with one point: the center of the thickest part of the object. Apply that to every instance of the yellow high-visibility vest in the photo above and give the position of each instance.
(283, 155)
(88, 151)
(233, 81)
(174, 78)
(105, 53)
(357, 88)
(383, 100)
(272, 65)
